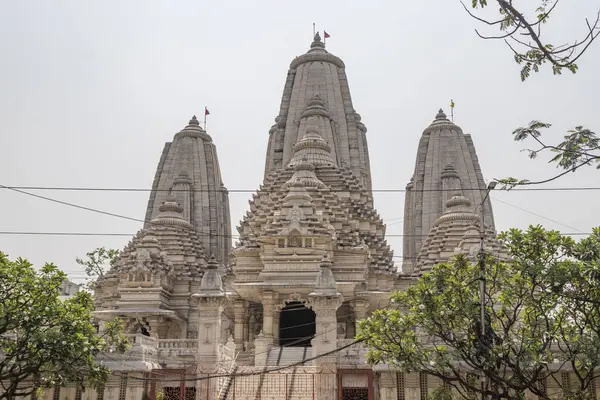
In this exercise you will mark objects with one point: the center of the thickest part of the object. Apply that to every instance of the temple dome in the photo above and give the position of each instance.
(313, 149)
(456, 231)
(172, 236)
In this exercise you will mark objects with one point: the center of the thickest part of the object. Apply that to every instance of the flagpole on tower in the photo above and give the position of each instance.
(206, 112)
(452, 110)
(314, 30)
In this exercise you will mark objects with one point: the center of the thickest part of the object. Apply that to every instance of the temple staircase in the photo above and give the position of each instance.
(224, 393)
(282, 356)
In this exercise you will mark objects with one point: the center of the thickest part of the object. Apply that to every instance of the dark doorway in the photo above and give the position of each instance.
(355, 394)
(296, 325)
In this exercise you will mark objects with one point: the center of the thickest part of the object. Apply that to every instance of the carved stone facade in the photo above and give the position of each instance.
(311, 259)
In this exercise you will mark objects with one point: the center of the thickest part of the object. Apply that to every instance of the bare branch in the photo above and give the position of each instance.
(480, 19)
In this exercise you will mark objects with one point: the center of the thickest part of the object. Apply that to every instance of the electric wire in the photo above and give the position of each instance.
(392, 190)
(541, 216)
(199, 233)
(25, 233)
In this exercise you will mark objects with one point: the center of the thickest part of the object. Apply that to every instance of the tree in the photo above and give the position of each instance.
(523, 35)
(542, 316)
(97, 263)
(44, 341)
(580, 147)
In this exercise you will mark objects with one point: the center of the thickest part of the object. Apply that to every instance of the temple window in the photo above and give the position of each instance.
(281, 243)
(308, 242)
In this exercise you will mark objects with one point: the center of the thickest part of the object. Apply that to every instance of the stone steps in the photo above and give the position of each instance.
(281, 356)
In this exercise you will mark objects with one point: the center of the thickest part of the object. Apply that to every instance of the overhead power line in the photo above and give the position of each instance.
(24, 233)
(200, 233)
(541, 216)
(392, 190)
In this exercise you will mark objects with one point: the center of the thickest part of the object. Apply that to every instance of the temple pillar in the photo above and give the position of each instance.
(246, 326)
(261, 348)
(361, 309)
(325, 340)
(239, 314)
(268, 303)
(211, 301)
(276, 315)
(324, 301)
(251, 328)
(209, 328)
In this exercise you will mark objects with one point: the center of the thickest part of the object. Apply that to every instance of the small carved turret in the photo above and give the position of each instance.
(325, 285)
(211, 284)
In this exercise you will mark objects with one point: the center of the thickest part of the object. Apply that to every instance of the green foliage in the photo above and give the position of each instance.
(580, 147)
(542, 313)
(45, 339)
(440, 394)
(97, 263)
(522, 33)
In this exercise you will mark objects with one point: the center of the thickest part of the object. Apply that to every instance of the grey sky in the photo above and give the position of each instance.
(90, 91)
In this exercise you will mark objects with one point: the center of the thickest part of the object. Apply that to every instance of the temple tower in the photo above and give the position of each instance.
(446, 164)
(189, 169)
(316, 91)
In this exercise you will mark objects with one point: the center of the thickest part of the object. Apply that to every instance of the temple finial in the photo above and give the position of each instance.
(441, 115)
(194, 121)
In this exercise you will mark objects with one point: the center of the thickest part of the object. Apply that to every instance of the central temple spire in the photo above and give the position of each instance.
(316, 93)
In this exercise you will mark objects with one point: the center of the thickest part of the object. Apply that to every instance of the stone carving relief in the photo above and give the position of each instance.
(293, 298)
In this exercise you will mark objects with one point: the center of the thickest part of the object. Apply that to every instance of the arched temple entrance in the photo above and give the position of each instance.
(296, 325)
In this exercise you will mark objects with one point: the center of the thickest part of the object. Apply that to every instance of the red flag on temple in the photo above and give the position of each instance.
(325, 34)
(206, 112)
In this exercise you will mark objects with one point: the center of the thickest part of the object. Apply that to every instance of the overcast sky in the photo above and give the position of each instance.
(90, 91)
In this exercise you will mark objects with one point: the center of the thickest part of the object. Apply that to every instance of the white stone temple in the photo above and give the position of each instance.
(274, 316)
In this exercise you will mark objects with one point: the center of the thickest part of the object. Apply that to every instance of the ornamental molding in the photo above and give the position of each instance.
(293, 298)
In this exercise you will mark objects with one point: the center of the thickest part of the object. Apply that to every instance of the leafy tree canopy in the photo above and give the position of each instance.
(96, 263)
(580, 148)
(44, 339)
(520, 27)
(542, 316)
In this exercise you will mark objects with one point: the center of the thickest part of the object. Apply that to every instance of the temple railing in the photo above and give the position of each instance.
(177, 343)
